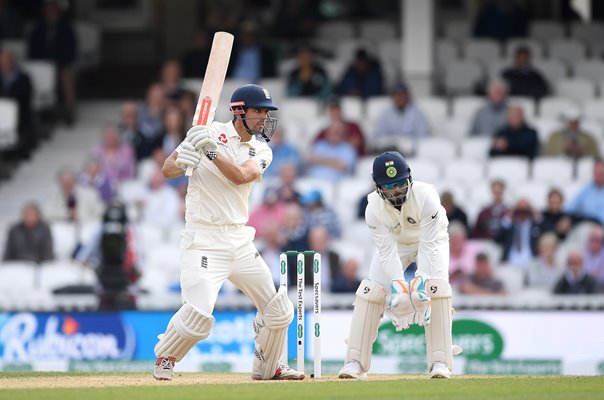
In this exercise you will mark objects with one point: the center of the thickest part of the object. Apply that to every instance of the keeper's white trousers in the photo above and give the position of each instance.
(209, 255)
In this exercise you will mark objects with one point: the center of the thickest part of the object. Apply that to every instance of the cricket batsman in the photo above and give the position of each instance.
(216, 243)
(409, 228)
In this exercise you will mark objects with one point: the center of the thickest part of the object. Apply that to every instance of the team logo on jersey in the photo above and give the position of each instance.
(411, 220)
(263, 164)
(204, 262)
(268, 96)
(391, 172)
(252, 152)
(223, 138)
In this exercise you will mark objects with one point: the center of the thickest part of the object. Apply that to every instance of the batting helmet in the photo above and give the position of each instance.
(252, 96)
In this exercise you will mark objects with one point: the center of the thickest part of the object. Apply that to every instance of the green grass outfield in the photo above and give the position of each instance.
(16, 386)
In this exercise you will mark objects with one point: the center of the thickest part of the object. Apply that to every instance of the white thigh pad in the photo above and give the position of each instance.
(270, 329)
(368, 310)
(187, 327)
(438, 332)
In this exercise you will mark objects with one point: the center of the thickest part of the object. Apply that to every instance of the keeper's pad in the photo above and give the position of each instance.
(270, 329)
(438, 332)
(368, 310)
(187, 327)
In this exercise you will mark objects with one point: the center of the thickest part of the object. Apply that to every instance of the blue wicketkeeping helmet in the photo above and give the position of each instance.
(392, 177)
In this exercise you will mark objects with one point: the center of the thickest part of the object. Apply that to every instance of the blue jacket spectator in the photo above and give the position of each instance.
(363, 78)
(283, 153)
(589, 203)
(332, 158)
(516, 138)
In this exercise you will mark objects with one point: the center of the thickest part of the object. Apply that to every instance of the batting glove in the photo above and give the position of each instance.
(197, 135)
(187, 156)
(208, 147)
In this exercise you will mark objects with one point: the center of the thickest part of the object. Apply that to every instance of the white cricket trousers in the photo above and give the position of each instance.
(210, 254)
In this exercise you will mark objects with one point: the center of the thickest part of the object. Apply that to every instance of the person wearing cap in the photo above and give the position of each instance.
(409, 274)
(226, 160)
(401, 119)
(571, 140)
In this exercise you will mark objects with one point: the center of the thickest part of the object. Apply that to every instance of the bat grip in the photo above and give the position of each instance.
(189, 171)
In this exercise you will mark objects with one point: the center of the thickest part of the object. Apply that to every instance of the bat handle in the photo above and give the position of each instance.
(189, 171)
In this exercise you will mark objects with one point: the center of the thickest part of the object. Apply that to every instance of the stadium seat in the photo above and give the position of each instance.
(594, 108)
(592, 70)
(468, 171)
(475, 148)
(554, 170)
(453, 128)
(435, 109)
(336, 29)
(554, 106)
(64, 239)
(511, 276)
(436, 148)
(577, 89)
(546, 30)
(481, 50)
(375, 106)
(594, 127)
(425, 169)
(88, 36)
(390, 54)
(585, 170)
(553, 70)
(466, 106)
(536, 192)
(346, 49)
(327, 189)
(349, 193)
(8, 123)
(352, 108)
(495, 68)
(457, 30)
(462, 77)
(446, 51)
(58, 274)
(567, 50)
(335, 69)
(377, 30)
(527, 104)
(545, 126)
(509, 169)
(43, 79)
(588, 33)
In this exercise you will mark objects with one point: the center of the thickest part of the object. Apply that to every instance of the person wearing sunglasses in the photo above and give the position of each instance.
(409, 276)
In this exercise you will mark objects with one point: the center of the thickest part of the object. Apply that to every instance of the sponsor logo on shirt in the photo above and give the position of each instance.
(223, 138)
(411, 220)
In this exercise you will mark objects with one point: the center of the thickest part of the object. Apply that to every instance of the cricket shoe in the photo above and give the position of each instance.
(164, 368)
(283, 373)
(352, 370)
(440, 371)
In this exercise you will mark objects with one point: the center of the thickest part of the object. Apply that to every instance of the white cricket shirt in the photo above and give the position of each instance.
(211, 198)
(421, 223)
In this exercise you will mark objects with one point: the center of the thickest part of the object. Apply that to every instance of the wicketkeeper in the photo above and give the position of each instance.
(409, 228)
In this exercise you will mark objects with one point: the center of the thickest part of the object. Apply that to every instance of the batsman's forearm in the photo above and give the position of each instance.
(238, 174)
(169, 169)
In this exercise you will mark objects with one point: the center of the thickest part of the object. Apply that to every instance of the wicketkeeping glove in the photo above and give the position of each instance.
(187, 156)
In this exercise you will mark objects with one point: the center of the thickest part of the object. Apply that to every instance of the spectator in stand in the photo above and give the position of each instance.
(271, 249)
(148, 166)
(482, 280)
(362, 78)
(295, 232)
(287, 184)
(53, 38)
(545, 270)
(11, 21)
(518, 235)
(130, 131)
(294, 19)
(516, 138)
(174, 129)
(317, 213)
(462, 255)
(94, 177)
(74, 202)
(283, 153)
(160, 204)
(116, 158)
(30, 239)
(523, 78)
(500, 20)
(333, 157)
(492, 117)
(489, 219)
(151, 116)
(195, 60)
(347, 281)
(171, 80)
(589, 202)
(16, 85)
(319, 240)
(454, 213)
(271, 209)
(401, 119)
(353, 133)
(251, 61)
(554, 218)
(575, 280)
(308, 78)
(593, 255)
(187, 104)
(571, 141)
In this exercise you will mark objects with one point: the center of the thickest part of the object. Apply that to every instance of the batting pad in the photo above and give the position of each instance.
(270, 329)
(187, 327)
(438, 332)
(368, 310)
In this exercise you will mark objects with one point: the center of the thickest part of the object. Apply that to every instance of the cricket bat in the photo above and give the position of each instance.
(213, 81)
